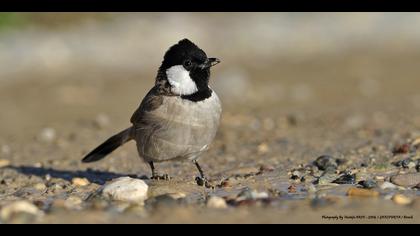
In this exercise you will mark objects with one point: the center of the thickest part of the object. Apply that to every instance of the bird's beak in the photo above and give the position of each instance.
(210, 62)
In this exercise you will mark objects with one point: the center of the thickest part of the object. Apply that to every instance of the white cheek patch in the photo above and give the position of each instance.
(180, 80)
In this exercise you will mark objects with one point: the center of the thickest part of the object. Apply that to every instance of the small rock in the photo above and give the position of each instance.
(4, 163)
(19, 207)
(249, 194)
(357, 192)
(325, 161)
(216, 203)
(47, 135)
(73, 203)
(411, 165)
(327, 178)
(37, 165)
(40, 186)
(416, 143)
(388, 185)
(80, 182)
(263, 148)
(380, 178)
(346, 179)
(126, 189)
(226, 183)
(47, 177)
(55, 187)
(401, 149)
(401, 199)
(406, 163)
(292, 189)
(406, 180)
(368, 184)
(296, 175)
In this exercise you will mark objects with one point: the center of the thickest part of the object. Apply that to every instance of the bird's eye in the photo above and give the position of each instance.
(187, 63)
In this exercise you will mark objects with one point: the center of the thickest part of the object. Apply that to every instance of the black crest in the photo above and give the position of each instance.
(183, 50)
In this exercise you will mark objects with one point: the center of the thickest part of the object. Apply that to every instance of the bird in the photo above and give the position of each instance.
(178, 118)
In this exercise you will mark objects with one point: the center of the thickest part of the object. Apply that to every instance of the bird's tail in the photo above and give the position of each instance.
(109, 145)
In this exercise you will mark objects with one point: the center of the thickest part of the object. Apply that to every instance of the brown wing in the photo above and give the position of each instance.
(152, 101)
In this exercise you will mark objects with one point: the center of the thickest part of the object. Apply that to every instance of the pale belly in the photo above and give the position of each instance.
(181, 129)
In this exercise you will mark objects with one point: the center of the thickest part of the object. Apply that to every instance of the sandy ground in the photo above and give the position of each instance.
(354, 106)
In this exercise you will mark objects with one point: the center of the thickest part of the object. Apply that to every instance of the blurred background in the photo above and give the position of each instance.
(58, 69)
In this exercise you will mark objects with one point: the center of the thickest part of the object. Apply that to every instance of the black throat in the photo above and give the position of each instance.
(198, 96)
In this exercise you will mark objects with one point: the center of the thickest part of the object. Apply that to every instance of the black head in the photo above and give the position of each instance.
(193, 59)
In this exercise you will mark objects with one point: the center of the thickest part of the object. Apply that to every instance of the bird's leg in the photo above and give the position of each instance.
(202, 180)
(155, 176)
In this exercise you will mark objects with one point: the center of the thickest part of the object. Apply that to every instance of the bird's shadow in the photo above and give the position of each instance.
(94, 176)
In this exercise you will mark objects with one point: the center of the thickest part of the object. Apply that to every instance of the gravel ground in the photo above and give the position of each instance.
(323, 139)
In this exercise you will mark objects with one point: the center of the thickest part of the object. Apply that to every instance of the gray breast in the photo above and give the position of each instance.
(178, 129)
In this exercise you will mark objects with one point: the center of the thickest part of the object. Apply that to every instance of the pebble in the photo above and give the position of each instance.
(388, 185)
(327, 178)
(357, 192)
(292, 189)
(80, 182)
(47, 135)
(40, 186)
(406, 180)
(216, 203)
(73, 203)
(406, 163)
(326, 161)
(4, 163)
(126, 189)
(416, 143)
(368, 184)
(19, 207)
(346, 179)
(263, 148)
(401, 199)
(401, 149)
(249, 194)
(380, 178)
(296, 175)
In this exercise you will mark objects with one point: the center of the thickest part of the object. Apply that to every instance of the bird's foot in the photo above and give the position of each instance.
(161, 177)
(204, 182)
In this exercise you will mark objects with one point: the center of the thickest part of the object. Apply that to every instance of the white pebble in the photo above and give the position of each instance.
(19, 207)
(126, 189)
(388, 185)
(216, 203)
(4, 163)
